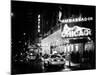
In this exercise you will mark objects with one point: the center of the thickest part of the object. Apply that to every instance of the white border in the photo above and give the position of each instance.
(5, 32)
(84, 2)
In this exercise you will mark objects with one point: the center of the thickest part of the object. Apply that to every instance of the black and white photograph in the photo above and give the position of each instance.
(52, 37)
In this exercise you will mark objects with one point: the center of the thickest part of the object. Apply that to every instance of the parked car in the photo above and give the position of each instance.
(56, 60)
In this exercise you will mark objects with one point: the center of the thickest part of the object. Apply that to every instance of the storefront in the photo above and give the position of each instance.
(76, 38)
(69, 39)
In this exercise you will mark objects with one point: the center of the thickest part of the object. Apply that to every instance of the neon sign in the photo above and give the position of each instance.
(79, 19)
(75, 31)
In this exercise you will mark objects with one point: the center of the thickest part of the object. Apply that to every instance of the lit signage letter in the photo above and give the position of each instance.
(77, 33)
(89, 32)
(69, 34)
(70, 20)
(76, 20)
(85, 19)
(73, 20)
(79, 19)
(85, 32)
(63, 34)
(72, 34)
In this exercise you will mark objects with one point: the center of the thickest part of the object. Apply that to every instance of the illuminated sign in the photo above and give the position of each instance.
(79, 19)
(75, 31)
(39, 23)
